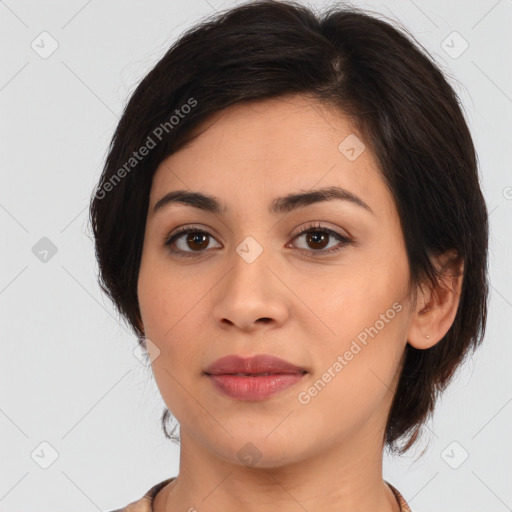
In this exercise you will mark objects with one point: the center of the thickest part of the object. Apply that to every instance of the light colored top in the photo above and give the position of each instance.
(145, 504)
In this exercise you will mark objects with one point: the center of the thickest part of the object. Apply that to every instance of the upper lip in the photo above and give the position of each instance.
(263, 363)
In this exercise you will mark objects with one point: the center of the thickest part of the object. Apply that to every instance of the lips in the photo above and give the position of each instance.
(254, 378)
(260, 365)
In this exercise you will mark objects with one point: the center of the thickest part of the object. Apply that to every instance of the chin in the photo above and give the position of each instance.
(259, 451)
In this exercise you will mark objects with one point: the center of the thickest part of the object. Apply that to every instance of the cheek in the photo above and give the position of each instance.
(164, 295)
(356, 372)
(365, 310)
(174, 316)
(169, 310)
(353, 297)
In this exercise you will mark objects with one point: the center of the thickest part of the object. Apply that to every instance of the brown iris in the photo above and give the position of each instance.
(317, 237)
(195, 238)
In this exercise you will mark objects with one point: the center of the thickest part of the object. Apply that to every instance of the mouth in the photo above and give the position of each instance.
(265, 374)
(259, 365)
(255, 386)
(254, 378)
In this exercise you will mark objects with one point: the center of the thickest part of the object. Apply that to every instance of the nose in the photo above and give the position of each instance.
(251, 296)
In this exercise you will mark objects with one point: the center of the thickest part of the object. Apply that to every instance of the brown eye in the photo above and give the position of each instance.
(190, 241)
(197, 240)
(187, 241)
(317, 238)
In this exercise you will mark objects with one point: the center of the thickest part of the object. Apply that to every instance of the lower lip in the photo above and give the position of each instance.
(254, 388)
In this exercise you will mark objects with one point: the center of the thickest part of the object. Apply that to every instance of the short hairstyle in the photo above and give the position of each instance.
(403, 108)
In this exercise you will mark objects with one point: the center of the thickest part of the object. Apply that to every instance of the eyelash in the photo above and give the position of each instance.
(169, 240)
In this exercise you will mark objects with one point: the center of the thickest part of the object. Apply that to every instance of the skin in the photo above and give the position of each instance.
(326, 454)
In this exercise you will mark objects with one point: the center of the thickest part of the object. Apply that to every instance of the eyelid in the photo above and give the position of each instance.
(344, 239)
(317, 225)
(181, 230)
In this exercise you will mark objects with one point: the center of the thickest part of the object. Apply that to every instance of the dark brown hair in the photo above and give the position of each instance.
(405, 111)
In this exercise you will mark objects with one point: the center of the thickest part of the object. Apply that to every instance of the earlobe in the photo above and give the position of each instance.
(436, 308)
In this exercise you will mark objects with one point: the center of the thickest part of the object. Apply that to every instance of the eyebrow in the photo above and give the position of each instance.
(279, 205)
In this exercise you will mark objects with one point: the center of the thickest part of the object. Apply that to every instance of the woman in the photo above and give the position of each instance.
(291, 220)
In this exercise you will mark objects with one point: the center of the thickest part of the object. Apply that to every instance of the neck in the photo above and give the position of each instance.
(348, 476)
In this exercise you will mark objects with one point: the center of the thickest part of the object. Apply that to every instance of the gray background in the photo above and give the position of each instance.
(69, 376)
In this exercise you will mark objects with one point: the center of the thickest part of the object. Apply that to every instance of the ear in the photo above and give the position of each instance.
(436, 309)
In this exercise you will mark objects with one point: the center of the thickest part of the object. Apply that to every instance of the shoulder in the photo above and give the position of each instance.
(145, 503)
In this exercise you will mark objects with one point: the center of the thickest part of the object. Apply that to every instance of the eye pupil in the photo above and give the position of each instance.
(318, 237)
(194, 237)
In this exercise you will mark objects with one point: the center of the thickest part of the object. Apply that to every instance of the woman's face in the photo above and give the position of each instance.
(332, 301)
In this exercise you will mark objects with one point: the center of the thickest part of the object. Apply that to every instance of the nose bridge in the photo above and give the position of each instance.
(250, 275)
(249, 292)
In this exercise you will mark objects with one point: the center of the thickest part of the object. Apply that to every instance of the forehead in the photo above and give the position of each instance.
(270, 148)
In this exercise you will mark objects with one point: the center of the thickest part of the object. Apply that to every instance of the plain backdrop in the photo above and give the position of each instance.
(79, 413)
